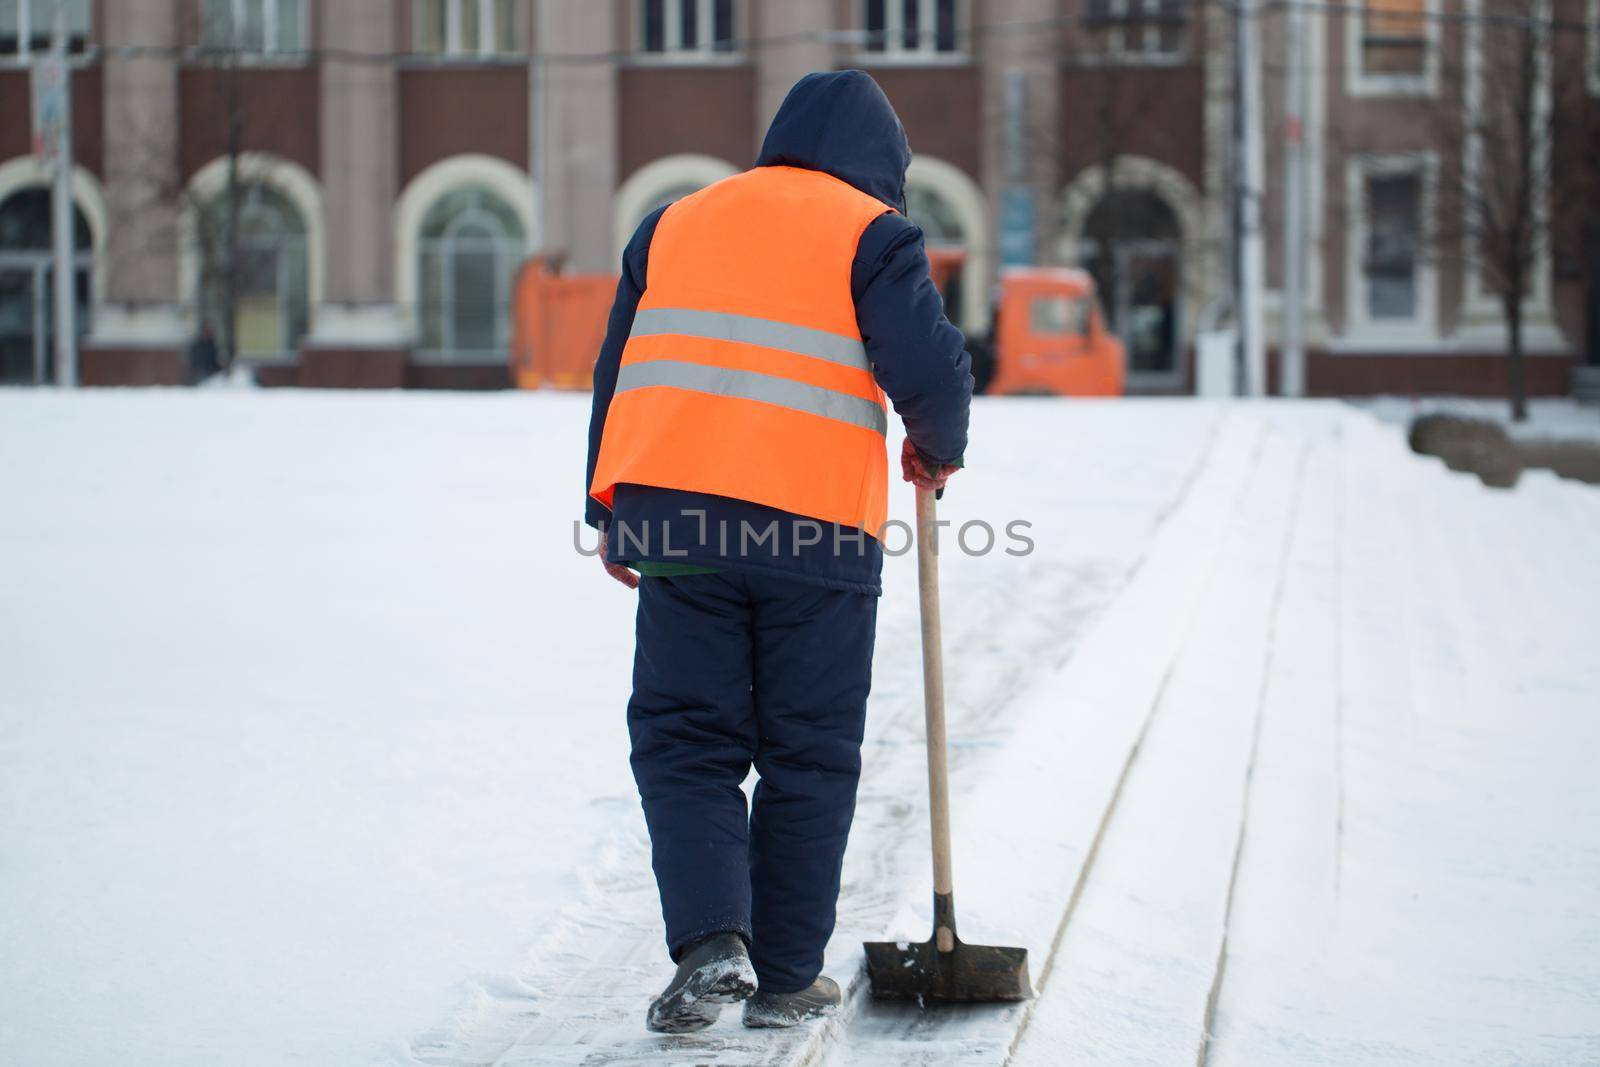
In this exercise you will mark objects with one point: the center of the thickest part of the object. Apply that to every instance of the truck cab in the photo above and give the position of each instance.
(1050, 337)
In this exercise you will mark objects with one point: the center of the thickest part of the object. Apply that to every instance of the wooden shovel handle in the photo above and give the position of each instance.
(933, 699)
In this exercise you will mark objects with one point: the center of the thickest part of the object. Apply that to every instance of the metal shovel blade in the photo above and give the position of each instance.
(959, 974)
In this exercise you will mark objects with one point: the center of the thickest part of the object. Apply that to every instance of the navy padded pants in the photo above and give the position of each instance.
(731, 670)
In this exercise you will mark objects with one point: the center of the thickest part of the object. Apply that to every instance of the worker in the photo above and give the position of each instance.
(738, 464)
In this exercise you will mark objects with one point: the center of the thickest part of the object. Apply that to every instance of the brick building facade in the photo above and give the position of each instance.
(402, 157)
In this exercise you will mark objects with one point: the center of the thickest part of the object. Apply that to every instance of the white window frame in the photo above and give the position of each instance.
(958, 190)
(672, 50)
(507, 182)
(926, 52)
(271, 21)
(641, 192)
(290, 179)
(25, 52)
(507, 250)
(1422, 328)
(281, 247)
(1117, 50)
(1357, 80)
(455, 48)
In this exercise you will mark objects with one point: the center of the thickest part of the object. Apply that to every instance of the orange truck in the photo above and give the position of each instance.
(1049, 335)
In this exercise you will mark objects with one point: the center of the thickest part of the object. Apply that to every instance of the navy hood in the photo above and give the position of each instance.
(840, 123)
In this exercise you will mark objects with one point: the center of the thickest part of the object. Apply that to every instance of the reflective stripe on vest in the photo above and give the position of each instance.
(745, 374)
(721, 326)
(753, 385)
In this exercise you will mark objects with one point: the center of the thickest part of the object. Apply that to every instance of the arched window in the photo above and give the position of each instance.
(268, 281)
(941, 227)
(672, 194)
(25, 223)
(472, 243)
(936, 216)
(949, 209)
(659, 183)
(27, 285)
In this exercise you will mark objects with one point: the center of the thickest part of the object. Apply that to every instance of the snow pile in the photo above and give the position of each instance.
(1549, 418)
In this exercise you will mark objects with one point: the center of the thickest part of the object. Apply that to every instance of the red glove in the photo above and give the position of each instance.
(617, 570)
(920, 473)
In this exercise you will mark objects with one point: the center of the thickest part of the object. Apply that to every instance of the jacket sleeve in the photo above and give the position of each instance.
(918, 357)
(630, 287)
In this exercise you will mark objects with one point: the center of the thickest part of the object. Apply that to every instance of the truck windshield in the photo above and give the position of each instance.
(1059, 314)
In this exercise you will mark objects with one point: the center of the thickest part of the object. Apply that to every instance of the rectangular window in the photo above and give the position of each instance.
(911, 29)
(464, 28)
(259, 27)
(28, 25)
(876, 26)
(686, 28)
(1136, 29)
(1394, 239)
(1394, 37)
(1172, 25)
(689, 27)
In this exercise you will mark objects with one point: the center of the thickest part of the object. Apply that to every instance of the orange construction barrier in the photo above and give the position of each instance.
(558, 322)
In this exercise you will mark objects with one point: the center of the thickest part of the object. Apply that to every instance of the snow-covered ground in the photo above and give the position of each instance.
(312, 750)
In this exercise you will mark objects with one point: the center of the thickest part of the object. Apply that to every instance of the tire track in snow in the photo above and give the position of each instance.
(1134, 968)
(1089, 713)
(1280, 584)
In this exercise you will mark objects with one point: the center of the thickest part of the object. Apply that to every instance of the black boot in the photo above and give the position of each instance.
(711, 972)
(817, 1000)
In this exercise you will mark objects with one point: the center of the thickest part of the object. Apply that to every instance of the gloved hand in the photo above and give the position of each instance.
(920, 472)
(616, 570)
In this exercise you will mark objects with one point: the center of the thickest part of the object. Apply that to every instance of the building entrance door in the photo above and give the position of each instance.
(27, 287)
(28, 316)
(1132, 248)
(19, 326)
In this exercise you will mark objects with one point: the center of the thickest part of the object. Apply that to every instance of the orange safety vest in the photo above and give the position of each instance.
(745, 375)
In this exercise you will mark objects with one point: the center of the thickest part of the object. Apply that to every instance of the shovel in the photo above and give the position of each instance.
(943, 968)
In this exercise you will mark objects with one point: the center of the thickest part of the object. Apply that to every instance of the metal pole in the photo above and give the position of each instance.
(537, 240)
(1247, 29)
(66, 279)
(1236, 193)
(1294, 208)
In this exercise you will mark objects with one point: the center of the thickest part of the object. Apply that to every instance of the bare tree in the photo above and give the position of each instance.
(217, 222)
(209, 222)
(1494, 219)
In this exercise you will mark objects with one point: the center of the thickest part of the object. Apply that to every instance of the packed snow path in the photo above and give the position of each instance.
(311, 746)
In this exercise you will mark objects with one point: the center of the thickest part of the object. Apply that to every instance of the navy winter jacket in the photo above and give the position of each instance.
(842, 124)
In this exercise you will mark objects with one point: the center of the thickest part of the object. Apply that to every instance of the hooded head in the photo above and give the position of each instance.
(840, 123)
